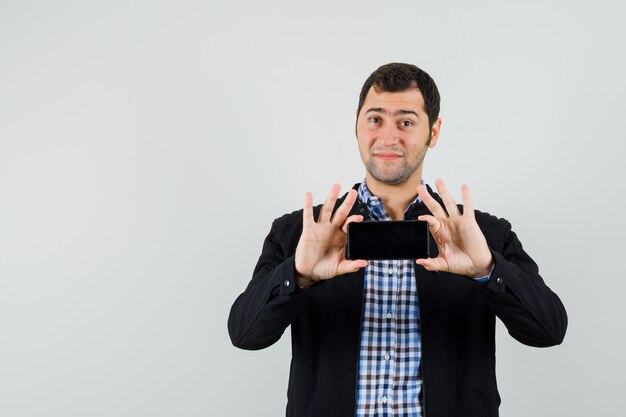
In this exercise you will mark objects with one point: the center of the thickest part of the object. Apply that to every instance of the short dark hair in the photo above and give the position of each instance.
(397, 77)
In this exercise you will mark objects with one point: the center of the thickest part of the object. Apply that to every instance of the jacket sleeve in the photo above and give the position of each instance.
(531, 312)
(270, 303)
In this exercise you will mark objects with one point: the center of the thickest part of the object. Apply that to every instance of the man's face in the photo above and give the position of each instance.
(393, 134)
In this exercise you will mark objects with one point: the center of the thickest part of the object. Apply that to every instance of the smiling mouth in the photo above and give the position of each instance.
(387, 156)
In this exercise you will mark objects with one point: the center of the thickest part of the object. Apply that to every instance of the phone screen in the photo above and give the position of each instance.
(407, 239)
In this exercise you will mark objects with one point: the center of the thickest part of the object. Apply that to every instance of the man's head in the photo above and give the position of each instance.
(397, 121)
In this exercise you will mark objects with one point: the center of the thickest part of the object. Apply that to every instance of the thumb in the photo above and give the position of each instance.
(356, 218)
(346, 266)
(433, 264)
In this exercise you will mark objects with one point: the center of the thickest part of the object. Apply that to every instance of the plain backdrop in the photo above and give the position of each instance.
(146, 147)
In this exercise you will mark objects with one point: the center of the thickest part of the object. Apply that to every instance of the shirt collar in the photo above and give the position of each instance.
(376, 206)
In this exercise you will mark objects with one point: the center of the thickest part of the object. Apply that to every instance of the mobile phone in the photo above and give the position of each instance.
(406, 239)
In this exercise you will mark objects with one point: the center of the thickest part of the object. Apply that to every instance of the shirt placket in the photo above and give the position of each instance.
(387, 355)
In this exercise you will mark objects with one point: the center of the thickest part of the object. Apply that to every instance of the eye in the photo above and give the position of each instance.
(374, 119)
(406, 123)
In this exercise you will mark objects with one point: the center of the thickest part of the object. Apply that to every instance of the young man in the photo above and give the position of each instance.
(396, 337)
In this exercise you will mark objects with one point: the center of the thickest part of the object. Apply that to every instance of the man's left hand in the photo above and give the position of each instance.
(462, 246)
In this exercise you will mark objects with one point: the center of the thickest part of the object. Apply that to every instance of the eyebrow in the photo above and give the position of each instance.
(397, 112)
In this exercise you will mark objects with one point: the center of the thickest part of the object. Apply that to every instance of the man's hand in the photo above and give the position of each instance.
(462, 246)
(321, 250)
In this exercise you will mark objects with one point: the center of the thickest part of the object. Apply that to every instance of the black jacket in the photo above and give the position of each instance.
(457, 323)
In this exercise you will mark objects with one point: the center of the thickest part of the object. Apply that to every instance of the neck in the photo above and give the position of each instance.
(395, 197)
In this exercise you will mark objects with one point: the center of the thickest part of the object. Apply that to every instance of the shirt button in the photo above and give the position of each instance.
(286, 283)
(390, 271)
(389, 315)
(499, 281)
(384, 400)
(387, 357)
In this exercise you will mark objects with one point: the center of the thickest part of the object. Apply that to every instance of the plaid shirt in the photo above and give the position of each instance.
(389, 381)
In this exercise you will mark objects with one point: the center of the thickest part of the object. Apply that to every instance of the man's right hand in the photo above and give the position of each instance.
(321, 250)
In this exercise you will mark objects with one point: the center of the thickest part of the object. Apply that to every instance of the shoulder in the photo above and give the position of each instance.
(495, 229)
(294, 219)
(288, 227)
(288, 220)
(490, 221)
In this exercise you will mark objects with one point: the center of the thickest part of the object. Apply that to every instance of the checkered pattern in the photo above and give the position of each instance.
(389, 382)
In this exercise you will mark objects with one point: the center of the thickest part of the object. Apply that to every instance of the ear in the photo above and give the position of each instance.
(434, 133)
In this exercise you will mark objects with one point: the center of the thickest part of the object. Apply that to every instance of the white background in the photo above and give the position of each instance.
(146, 146)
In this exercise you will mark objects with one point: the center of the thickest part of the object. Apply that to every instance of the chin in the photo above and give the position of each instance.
(395, 179)
(391, 178)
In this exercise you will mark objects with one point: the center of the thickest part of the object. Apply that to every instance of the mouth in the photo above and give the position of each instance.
(387, 156)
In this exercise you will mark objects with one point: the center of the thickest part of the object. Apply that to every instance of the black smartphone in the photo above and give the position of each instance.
(406, 239)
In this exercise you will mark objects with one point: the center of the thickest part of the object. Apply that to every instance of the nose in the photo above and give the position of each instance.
(388, 135)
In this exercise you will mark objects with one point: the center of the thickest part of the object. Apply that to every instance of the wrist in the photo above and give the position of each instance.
(301, 280)
(304, 283)
(486, 270)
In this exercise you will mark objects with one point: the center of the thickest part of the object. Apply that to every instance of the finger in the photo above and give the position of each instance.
(329, 204)
(342, 212)
(433, 264)
(346, 266)
(448, 200)
(307, 213)
(432, 204)
(468, 205)
(433, 223)
(357, 218)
